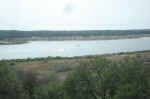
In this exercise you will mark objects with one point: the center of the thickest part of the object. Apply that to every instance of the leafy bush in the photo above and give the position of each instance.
(103, 79)
(50, 91)
(96, 78)
(10, 86)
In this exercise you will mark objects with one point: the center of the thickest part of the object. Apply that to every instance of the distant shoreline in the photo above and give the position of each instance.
(25, 40)
(7, 42)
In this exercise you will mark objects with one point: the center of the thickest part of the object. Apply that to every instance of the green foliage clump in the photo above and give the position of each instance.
(96, 78)
(10, 85)
(103, 79)
(50, 91)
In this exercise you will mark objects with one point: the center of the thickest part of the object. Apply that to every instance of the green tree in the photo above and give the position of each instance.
(30, 83)
(86, 81)
(10, 85)
(134, 82)
(50, 91)
(103, 79)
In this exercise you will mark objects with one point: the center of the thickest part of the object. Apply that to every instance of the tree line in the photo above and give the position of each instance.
(13, 34)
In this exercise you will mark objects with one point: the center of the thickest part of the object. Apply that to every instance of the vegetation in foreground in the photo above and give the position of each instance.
(97, 78)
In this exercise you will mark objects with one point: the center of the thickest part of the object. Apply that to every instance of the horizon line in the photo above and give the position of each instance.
(76, 30)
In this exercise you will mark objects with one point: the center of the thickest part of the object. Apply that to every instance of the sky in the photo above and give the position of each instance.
(74, 14)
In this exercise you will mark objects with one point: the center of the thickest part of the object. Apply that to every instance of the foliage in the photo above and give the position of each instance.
(10, 85)
(100, 78)
(96, 78)
(50, 91)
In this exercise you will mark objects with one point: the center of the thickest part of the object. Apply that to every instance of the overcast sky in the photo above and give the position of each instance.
(74, 14)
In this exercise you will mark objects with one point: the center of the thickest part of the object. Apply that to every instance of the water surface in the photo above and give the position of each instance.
(72, 48)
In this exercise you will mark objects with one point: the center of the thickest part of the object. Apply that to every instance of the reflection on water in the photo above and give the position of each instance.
(61, 50)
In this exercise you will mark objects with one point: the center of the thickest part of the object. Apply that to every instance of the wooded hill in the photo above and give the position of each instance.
(12, 34)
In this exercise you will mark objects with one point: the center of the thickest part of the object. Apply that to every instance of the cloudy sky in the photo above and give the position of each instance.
(74, 14)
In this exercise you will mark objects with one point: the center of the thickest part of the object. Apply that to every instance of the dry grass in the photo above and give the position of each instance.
(48, 67)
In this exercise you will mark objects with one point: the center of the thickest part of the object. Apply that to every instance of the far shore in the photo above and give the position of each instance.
(66, 38)
(11, 42)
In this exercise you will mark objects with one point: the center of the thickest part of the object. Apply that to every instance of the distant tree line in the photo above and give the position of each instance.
(12, 34)
(98, 78)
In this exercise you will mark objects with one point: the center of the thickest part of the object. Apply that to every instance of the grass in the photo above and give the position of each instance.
(48, 68)
(59, 67)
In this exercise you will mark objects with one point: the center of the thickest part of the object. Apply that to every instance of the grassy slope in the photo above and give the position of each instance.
(60, 67)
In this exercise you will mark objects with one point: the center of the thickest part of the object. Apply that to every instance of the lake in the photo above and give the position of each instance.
(35, 49)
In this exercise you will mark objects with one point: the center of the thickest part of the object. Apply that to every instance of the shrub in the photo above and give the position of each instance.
(10, 86)
(103, 79)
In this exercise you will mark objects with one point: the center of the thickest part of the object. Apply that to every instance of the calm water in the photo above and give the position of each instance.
(72, 48)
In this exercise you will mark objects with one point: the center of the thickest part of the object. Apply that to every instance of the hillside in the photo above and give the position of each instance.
(13, 34)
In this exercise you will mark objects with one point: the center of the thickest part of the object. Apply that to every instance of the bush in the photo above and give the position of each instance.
(103, 79)
(10, 86)
(50, 91)
(96, 78)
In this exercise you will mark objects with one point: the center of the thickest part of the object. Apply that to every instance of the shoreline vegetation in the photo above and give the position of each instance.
(134, 53)
(109, 76)
(21, 37)
(60, 67)
(12, 42)
(26, 40)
